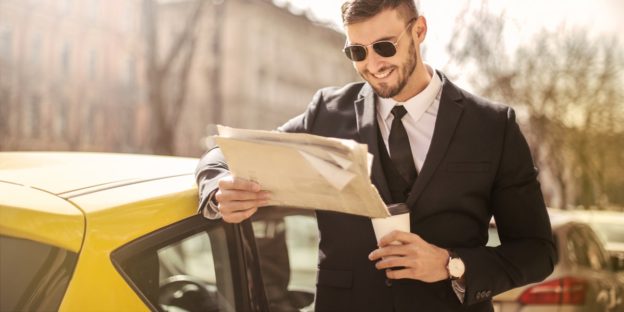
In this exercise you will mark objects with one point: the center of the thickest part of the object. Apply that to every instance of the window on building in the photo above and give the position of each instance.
(60, 122)
(65, 58)
(32, 122)
(128, 17)
(64, 6)
(93, 7)
(6, 44)
(92, 64)
(35, 2)
(89, 122)
(35, 56)
(129, 72)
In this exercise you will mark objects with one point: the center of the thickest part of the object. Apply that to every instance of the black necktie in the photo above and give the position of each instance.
(400, 151)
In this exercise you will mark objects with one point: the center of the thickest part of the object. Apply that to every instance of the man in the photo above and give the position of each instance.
(455, 159)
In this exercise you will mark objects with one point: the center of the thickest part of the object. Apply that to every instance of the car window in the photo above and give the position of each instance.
(193, 265)
(595, 253)
(287, 242)
(33, 276)
(575, 245)
(584, 249)
(610, 232)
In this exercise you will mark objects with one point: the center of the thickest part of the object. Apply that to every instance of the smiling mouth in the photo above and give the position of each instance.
(383, 74)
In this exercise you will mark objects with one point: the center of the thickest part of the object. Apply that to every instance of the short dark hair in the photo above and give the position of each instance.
(354, 11)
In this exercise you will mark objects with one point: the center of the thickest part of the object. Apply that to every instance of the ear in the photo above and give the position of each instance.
(419, 30)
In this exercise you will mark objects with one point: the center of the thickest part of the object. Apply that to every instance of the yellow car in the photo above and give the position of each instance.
(113, 232)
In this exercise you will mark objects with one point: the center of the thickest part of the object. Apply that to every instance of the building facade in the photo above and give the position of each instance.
(75, 75)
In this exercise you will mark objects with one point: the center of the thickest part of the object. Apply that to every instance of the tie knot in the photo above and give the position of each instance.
(398, 111)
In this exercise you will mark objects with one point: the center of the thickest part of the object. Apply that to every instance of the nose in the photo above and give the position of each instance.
(374, 61)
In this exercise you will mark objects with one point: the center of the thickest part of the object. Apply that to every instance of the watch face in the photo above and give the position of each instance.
(456, 267)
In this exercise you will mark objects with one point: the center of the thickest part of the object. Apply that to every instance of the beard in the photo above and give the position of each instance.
(384, 90)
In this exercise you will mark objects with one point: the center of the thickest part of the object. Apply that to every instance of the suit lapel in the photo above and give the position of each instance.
(367, 129)
(449, 113)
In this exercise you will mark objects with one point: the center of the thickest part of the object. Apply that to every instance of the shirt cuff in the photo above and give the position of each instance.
(459, 288)
(211, 210)
(208, 206)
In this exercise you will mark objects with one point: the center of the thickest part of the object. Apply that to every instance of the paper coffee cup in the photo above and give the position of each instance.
(399, 220)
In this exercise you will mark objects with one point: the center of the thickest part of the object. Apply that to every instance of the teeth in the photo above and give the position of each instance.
(383, 74)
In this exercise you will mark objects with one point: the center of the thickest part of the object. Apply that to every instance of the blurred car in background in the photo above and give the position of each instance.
(582, 280)
(609, 225)
(113, 232)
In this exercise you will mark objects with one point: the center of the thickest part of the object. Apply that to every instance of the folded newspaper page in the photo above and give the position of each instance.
(304, 170)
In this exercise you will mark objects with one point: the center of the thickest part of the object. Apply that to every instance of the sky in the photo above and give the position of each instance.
(525, 17)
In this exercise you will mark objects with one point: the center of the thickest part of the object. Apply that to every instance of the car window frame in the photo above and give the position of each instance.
(242, 254)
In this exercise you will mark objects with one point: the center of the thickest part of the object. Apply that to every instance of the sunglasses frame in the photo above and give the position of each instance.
(365, 46)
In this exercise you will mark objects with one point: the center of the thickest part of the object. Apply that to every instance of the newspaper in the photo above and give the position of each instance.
(304, 170)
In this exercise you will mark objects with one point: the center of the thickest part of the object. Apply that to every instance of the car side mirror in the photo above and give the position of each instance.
(617, 262)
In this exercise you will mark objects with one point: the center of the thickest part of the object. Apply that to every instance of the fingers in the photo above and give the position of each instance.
(401, 237)
(414, 258)
(231, 182)
(238, 216)
(238, 199)
(225, 195)
(389, 251)
(401, 273)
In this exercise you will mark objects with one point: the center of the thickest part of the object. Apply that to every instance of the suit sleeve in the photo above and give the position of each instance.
(212, 166)
(527, 253)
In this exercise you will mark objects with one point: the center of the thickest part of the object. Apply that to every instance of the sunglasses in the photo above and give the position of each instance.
(385, 48)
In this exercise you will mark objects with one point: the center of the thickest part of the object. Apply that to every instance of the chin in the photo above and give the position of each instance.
(384, 90)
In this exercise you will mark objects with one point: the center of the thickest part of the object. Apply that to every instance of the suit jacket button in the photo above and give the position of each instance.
(488, 293)
(388, 282)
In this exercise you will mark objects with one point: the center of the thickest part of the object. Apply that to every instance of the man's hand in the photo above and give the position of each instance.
(416, 258)
(239, 198)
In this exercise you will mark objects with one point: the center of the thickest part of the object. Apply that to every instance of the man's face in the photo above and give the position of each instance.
(387, 75)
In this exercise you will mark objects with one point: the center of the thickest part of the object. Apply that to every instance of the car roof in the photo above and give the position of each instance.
(558, 218)
(62, 173)
(50, 196)
(596, 216)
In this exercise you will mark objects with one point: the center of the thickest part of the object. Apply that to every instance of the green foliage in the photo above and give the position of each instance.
(569, 89)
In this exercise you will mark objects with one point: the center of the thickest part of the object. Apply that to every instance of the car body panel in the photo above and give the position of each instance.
(39, 216)
(92, 204)
(111, 223)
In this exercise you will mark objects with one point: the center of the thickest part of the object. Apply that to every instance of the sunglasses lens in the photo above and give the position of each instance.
(384, 48)
(355, 53)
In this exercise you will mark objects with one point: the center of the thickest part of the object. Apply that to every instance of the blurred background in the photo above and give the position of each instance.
(156, 76)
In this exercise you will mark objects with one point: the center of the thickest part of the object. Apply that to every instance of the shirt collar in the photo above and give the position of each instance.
(417, 105)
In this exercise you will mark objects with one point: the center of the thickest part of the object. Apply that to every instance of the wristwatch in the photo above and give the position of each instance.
(455, 266)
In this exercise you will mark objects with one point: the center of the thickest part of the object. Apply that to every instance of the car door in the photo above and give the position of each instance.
(195, 265)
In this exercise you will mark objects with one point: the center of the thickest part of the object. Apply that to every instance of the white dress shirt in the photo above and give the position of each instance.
(419, 122)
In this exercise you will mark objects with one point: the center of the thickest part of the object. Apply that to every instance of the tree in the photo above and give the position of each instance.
(167, 73)
(570, 89)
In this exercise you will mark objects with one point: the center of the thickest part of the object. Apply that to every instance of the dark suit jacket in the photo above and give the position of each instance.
(478, 166)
